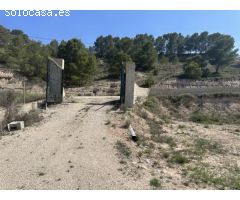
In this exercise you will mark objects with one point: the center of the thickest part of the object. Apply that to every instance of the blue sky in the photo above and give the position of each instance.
(88, 25)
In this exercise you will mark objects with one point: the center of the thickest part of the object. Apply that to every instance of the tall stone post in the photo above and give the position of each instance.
(129, 87)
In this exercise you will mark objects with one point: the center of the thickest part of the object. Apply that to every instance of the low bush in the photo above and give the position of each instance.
(29, 118)
(178, 158)
(123, 149)
(164, 139)
(155, 183)
(149, 82)
(214, 118)
(192, 70)
(151, 104)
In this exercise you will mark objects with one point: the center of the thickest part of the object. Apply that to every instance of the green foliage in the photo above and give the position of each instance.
(222, 52)
(178, 158)
(192, 70)
(80, 65)
(152, 103)
(173, 59)
(115, 62)
(23, 54)
(114, 51)
(200, 60)
(230, 179)
(144, 54)
(215, 118)
(164, 139)
(149, 82)
(155, 183)
(29, 57)
(163, 59)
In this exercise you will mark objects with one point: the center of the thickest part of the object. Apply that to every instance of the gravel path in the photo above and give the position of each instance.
(71, 149)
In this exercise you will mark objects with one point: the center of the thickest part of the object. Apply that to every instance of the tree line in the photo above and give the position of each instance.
(146, 51)
(30, 57)
(18, 51)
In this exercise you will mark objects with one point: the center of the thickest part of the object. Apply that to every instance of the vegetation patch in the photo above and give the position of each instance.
(155, 128)
(7, 98)
(151, 104)
(202, 145)
(214, 118)
(149, 82)
(155, 183)
(178, 158)
(123, 149)
(164, 139)
(30, 118)
(225, 180)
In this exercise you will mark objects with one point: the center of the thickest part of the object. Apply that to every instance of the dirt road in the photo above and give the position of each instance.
(71, 149)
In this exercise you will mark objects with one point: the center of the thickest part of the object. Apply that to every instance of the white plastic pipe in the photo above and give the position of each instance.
(132, 133)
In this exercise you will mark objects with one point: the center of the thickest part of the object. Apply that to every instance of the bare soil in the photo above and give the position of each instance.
(72, 148)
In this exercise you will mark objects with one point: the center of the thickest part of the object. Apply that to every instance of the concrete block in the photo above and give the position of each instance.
(16, 125)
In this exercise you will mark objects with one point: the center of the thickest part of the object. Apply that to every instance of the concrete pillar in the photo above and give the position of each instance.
(55, 91)
(129, 88)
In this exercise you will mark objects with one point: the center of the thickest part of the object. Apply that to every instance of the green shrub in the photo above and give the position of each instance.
(149, 82)
(199, 117)
(155, 183)
(151, 103)
(192, 70)
(178, 158)
(164, 139)
(215, 118)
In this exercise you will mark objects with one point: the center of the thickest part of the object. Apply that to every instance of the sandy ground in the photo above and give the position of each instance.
(71, 149)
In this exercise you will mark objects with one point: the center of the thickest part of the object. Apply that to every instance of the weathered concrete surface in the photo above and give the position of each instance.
(16, 125)
(25, 108)
(140, 92)
(55, 90)
(130, 82)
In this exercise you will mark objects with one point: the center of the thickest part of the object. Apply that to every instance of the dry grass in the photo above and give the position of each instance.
(123, 149)
(190, 155)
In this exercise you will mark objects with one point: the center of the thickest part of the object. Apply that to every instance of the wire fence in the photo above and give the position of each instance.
(194, 91)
